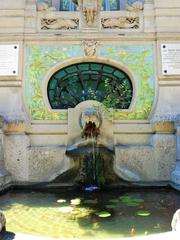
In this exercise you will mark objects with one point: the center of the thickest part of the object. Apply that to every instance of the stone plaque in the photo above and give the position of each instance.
(9, 59)
(170, 54)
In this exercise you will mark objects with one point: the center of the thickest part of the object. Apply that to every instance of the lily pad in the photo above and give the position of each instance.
(125, 197)
(75, 201)
(103, 214)
(65, 209)
(61, 200)
(143, 213)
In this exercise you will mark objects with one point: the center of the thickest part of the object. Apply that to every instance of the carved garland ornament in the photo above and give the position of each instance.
(120, 23)
(59, 23)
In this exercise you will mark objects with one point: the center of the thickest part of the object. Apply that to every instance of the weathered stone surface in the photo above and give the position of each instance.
(132, 139)
(168, 100)
(167, 3)
(16, 155)
(9, 4)
(147, 163)
(164, 127)
(11, 105)
(132, 163)
(46, 163)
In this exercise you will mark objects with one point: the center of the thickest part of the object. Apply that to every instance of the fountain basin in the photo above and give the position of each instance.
(58, 214)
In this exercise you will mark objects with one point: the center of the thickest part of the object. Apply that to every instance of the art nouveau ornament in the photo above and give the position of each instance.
(90, 9)
(90, 47)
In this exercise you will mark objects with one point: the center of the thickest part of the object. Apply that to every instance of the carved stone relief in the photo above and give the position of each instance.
(136, 6)
(59, 24)
(90, 47)
(44, 7)
(90, 16)
(120, 23)
(90, 9)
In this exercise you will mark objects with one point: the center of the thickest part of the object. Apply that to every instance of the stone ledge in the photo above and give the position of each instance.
(166, 3)
(164, 127)
(132, 128)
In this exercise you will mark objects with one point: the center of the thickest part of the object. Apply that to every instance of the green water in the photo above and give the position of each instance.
(108, 214)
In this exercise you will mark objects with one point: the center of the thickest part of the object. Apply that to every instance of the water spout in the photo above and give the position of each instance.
(90, 130)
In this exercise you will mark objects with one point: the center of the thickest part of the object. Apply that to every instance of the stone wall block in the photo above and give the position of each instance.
(12, 4)
(46, 163)
(147, 163)
(16, 155)
(165, 154)
(131, 163)
(166, 3)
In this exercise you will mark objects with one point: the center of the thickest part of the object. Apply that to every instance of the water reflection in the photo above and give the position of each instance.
(90, 214)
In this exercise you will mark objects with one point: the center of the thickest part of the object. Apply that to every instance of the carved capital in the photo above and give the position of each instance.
(90, 47)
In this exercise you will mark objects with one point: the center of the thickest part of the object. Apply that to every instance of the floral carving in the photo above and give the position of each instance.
(121, 22)
(59, 23)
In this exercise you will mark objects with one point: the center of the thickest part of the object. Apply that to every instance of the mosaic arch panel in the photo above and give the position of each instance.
(139, 59)
(90, 81)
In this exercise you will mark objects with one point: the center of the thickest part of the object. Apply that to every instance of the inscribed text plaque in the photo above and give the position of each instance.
(170, 56)
(9, 59)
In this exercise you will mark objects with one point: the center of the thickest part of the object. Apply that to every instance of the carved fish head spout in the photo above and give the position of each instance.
(90, 122)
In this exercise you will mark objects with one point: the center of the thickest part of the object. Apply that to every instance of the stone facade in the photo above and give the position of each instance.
(34, 138)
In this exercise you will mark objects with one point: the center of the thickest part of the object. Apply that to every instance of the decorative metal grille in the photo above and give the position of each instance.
(90, 81)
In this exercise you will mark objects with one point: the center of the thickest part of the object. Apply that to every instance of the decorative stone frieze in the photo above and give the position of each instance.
(59, 23)
(90, 47)
(120, 23)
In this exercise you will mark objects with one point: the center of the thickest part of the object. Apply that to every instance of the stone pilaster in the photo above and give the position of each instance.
(149, 16)
(30, 16)
(12, 16)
